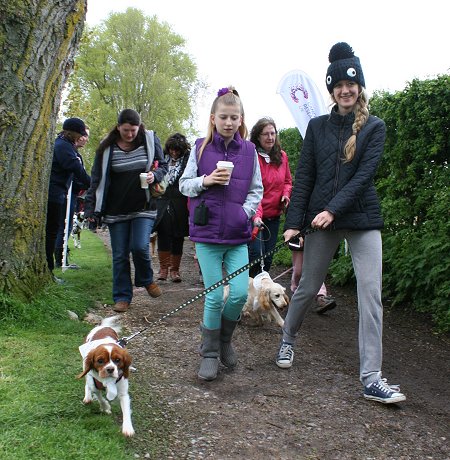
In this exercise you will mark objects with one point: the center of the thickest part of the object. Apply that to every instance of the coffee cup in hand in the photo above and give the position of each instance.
(143, 178)
(228, 165)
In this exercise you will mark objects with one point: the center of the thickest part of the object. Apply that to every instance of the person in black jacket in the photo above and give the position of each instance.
(66, 166)
(172, 221)
(77, 187)
(334, 193)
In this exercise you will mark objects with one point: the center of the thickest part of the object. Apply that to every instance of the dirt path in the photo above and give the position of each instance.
(315, 410)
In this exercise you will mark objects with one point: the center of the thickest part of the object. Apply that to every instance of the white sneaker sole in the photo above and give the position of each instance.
(396, 399)
(284, 365)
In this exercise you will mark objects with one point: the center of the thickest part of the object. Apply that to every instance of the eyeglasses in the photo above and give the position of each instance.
(273, 134)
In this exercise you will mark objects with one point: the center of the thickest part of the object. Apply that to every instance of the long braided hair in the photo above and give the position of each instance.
(361, 112)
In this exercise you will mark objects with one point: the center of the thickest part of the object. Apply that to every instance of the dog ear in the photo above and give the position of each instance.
(264, 299)
(88, 364)
(126, 357)
(286, 298)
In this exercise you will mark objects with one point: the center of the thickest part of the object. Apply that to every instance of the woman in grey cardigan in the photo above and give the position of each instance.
(116, 195)
(335, 194)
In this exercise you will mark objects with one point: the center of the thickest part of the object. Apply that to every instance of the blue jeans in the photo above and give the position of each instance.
(267, 239)
(130, 236)
(212, 257)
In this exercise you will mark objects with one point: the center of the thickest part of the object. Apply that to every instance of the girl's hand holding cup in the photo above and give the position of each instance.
(221, 175)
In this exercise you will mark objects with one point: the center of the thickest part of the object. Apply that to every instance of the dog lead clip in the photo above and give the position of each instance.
(122, 342)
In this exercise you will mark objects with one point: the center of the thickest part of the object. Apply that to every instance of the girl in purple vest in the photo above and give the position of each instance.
(221, 206)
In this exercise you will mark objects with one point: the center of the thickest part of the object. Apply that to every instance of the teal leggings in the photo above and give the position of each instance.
(213, 258)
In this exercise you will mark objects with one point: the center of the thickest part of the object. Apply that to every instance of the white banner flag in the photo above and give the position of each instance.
(302, 97)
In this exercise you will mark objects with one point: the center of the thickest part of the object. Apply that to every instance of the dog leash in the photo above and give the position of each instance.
(256, 234)
(122, 342)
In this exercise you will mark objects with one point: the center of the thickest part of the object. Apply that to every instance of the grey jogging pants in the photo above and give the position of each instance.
(366, 251)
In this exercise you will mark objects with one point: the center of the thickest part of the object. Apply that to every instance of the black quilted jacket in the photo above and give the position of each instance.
(324, 182)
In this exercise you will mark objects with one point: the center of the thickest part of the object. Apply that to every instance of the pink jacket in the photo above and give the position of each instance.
(277, 182)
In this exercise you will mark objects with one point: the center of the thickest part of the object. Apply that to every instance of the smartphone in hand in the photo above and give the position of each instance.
(295, 244)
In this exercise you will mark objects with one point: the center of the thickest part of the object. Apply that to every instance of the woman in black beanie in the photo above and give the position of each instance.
(334, 193)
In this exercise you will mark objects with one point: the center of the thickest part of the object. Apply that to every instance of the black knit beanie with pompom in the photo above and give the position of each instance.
(344, 65)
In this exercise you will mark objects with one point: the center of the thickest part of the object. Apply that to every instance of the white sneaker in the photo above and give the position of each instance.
(285, 356)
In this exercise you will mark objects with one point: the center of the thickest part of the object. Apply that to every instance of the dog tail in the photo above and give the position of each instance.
(112, 322)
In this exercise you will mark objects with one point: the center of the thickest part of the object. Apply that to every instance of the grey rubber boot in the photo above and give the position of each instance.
(209, 350)
(227, 354)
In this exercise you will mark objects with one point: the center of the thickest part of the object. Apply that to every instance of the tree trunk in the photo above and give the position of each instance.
(38, 40)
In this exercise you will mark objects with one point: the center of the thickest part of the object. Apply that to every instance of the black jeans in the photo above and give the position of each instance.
(55, 212)
(166, 240)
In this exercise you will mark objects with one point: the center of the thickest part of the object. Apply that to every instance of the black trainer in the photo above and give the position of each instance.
(381, 392)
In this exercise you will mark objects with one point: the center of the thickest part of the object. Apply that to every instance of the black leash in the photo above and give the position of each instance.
(124, 340)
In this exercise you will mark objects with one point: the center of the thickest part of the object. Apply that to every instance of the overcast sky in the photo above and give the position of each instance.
(251, 44)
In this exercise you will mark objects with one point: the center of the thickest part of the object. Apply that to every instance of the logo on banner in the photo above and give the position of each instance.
(294, 89)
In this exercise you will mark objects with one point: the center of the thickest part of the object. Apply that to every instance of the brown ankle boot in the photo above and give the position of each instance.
(153, 290)
(121, 306)
(164, 262)
(175, 268)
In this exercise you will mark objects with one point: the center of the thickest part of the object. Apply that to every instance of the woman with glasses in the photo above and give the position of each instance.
(277, 182)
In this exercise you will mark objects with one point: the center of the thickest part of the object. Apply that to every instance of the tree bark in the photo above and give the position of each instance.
(38, 40)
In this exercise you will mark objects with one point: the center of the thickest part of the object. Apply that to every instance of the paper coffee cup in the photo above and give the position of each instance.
(143, 178)
(226, 165)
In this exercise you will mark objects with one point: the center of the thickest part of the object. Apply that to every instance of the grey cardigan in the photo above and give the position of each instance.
(96, 195)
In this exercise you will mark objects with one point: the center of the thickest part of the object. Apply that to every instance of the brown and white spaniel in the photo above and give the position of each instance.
(106, 367)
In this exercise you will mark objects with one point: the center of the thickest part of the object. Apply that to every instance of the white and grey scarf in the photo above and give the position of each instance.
(174, 169)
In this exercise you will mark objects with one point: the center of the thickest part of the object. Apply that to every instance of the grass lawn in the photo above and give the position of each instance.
(42, 415)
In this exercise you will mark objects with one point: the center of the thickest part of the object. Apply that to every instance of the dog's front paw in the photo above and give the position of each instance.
(87, 400)
(105, 407)
(257, 319)
(127, 430)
